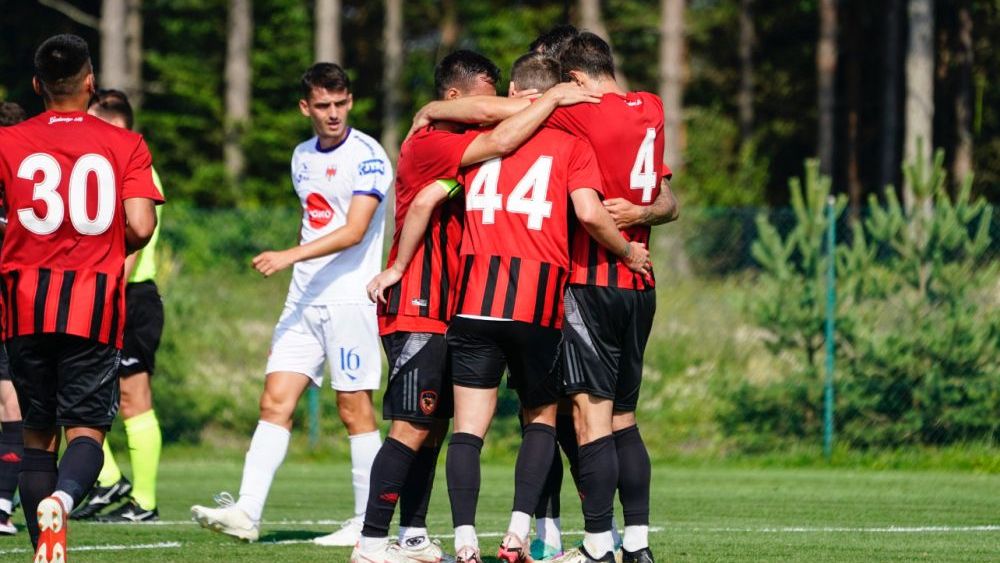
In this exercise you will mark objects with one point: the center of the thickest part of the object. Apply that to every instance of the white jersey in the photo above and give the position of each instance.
(325, 181)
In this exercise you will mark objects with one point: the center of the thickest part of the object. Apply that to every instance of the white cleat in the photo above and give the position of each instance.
(347, 536)
(468, 554)
(7, 527)
(422, 552)
(226, 518)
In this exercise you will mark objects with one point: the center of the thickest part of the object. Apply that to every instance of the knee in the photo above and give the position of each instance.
(356, 411)
(622, 420)
(413, 435)
(276, 408)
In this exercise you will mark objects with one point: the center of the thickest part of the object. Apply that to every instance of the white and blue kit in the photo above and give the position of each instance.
(327, 316)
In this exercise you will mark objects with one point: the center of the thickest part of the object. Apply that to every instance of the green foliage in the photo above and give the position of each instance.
(917, 334)
(720, 171)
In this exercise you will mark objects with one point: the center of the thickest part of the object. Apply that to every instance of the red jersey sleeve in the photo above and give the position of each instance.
(583, 171)
(137, 180)
(666, 172)
(439, 153)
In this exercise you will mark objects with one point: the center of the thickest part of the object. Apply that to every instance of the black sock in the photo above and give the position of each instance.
(566, 435)
(37, 481)
(548, 503)
(462, 468)
(634, 471)
(79, 467)
(416, 497)
(532, 469)
(11, 451)
(389, 470)
(598, 481)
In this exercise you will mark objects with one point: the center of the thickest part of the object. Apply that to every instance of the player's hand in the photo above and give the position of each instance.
(625, 213)
(638, 258)
(567, 94)
(272, 261)
(388, 278)
(420, 120)
(529, 93)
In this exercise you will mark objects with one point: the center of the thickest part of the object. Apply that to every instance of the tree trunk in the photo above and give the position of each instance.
(328, 42)
(672, 81)
(114, 45)
(238, 89)
(448, 28)
(134, 51)
(853, 114)
(919, 88)
(392, 38)
(962, 165)
(890, 97)
(748, 42)
(591, 20)
(826, 69)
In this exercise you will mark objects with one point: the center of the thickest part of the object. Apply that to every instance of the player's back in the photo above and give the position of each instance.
(65, 175)
(626, 132)
(515, 244)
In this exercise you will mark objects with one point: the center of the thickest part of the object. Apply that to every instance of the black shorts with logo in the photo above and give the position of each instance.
(64, 380)
(143, 328)
(604, 339)
(419, 388)
(480, 349)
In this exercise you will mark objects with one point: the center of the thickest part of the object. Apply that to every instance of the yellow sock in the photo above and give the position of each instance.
(144, 444)
(110, 473)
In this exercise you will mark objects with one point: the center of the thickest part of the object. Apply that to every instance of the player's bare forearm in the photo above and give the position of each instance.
(418, 216)
(473, 109)
(130, 261)
(664, 209)
(602, 229)
(140, 222)
(359, 216)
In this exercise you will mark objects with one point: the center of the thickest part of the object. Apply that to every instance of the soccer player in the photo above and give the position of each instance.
(80, 194)
(341, 176)
(415, 300)
(143, 327)
(11, 438)
(515, 263)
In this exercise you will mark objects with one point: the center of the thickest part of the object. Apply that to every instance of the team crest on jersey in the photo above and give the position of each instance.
(428, 401)
(331, 171)
(318, 211)
(371, 166)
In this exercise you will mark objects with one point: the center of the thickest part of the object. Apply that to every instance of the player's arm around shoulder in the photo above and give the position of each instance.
(664, 209)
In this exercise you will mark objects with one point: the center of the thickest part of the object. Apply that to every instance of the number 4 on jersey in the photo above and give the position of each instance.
(644, 169)
(483, 195)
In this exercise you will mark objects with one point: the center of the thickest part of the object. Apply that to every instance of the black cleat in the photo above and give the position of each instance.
(101, 498)
(129, 512)
(644, 555)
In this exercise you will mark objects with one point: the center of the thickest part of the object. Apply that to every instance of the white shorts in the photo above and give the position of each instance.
(345, 335)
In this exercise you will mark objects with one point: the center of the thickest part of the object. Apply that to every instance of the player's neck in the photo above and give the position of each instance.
(331, 142)
(607, 85)
(65, 105)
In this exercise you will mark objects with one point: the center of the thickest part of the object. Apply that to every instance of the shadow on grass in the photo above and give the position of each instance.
(290, 535)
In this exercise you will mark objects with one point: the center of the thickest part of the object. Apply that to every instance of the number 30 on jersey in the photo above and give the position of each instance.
(46, 190)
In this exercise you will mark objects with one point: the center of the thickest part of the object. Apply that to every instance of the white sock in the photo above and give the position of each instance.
(66, 499)
(6, 505)
(466, 536)
(548, 530)
(267, 450)
(615, 536)
(372, 545)
(598, 544)
(364, 448)
(408, 537)
(636, 538)
(520, 524)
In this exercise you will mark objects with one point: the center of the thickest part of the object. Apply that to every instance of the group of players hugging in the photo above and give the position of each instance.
(521, 245)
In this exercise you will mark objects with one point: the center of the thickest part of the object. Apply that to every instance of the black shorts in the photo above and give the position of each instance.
(419, 388)
(604, 339)
(143, 328)
(479, 350)
(64, 380)
(4, 364)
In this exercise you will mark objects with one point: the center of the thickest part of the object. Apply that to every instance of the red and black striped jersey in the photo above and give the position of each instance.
(626, 132)
(515, 256)
(65, 176)
(421, 301)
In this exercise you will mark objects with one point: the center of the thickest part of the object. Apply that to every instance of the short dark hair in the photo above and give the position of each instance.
(459, 69)
(328, 76)
(535, 70)
(11, 114)
(589, 54)
(112, 103)
(553, 41)
(61, 63)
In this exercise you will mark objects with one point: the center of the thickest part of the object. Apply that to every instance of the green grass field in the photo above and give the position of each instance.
(699, 514)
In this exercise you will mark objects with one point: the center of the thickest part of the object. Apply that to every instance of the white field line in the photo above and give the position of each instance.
(851, 530)
(161, 545)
